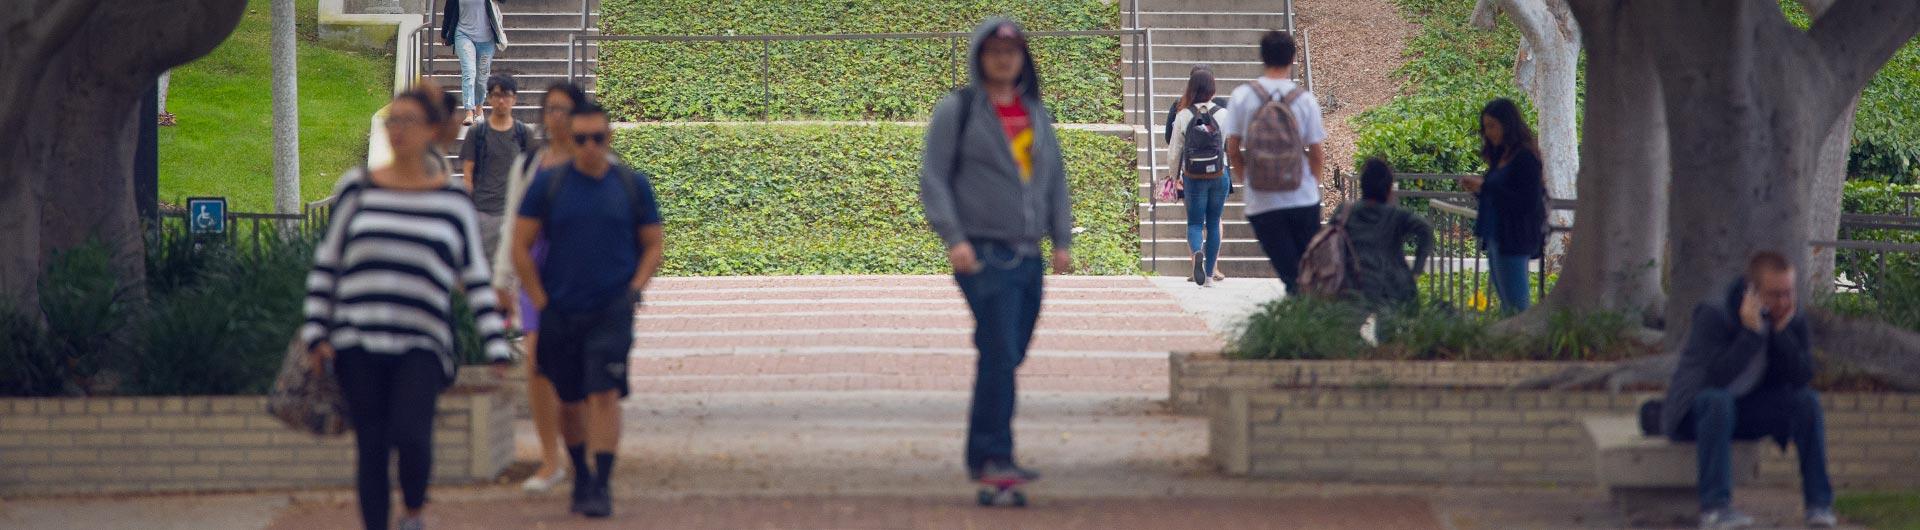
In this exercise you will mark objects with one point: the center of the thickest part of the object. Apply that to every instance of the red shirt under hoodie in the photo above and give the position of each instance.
(1019, 129)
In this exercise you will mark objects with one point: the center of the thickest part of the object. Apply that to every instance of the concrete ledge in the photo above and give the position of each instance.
(223, 443)
(1652, 480)
(380, 32)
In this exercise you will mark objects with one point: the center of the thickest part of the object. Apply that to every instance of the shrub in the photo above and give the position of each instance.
(223, 328)
(1302, 328)
(840, 80)
(814, 199)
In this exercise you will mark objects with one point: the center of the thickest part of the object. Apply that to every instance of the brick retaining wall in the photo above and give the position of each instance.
(225, 443)
(1194, 373)
(1461, 436)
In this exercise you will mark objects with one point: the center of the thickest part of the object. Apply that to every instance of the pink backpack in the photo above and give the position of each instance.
(1274, 149)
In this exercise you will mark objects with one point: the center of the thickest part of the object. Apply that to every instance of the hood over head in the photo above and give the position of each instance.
(1029, 81)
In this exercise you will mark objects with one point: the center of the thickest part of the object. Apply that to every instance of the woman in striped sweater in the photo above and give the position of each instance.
(402, 240)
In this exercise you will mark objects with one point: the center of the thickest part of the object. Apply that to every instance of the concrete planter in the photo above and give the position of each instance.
(1488, 436)
(223, 443)
(1194, 374)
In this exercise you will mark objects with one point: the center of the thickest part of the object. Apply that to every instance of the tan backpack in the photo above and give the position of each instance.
(1325, 268)
(1273, 145)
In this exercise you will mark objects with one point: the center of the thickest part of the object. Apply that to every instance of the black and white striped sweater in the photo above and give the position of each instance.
(385, 273)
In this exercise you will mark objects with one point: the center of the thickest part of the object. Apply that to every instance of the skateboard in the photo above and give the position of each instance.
(995, 492)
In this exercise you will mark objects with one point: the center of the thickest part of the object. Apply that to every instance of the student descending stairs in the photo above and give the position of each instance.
(1222, 34)
(536, 54)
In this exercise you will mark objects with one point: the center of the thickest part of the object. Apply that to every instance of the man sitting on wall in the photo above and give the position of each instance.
(1744, 375)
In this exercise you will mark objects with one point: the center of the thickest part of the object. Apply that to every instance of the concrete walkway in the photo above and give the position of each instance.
(841, 403)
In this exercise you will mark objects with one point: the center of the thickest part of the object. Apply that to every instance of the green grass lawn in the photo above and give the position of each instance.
(223, 145)
(1881, 510)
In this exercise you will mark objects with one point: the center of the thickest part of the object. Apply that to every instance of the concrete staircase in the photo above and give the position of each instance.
(1225, 35)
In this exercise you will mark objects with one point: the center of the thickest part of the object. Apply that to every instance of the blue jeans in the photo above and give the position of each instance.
(1005, 299)
(1510, 278)
(1206, 198)
(1717, 418)
(476, 63)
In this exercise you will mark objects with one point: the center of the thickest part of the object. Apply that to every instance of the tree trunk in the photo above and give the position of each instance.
(1745, 154)
(286, 112)
(1614, 261)
(1829, 186)
(70, 95)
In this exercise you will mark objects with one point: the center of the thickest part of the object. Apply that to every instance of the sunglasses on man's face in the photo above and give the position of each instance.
(583, 140)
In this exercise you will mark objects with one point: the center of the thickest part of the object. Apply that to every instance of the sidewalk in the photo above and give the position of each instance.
(800, 424)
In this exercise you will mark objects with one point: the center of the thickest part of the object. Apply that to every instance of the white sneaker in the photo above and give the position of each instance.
(1821, 518)
(1724, 519)
(537, 484)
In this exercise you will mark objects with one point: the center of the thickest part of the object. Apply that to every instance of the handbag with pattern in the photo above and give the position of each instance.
(307, 400)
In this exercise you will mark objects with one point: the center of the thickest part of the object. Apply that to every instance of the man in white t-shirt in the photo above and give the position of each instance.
(1284, 222)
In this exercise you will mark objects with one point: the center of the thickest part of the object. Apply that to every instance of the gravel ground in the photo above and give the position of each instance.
(1356, 46)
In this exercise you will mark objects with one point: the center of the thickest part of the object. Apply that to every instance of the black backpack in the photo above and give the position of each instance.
(1202, 156)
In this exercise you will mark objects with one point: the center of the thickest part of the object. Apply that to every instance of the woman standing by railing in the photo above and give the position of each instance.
(1513, 206)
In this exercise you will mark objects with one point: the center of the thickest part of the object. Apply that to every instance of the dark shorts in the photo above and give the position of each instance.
(586, 353)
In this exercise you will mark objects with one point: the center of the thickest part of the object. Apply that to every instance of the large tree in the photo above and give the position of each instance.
(1745, 108)
(71, 75)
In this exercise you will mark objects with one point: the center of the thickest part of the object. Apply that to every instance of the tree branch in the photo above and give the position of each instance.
(1857, 37)
(1486, 14)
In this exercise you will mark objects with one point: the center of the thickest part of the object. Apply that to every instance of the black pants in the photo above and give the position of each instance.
(1284, 235)
(392, 400)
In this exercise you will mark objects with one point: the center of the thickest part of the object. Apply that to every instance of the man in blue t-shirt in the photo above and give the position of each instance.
(604, 243)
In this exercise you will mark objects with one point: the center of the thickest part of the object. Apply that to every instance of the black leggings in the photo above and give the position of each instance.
(391, 399)
(1284, 235)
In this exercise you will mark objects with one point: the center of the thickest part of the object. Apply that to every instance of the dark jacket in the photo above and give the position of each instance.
(1720, 347)
(450, 23)
(1379, 272)
(970, 183)
(1513, 206)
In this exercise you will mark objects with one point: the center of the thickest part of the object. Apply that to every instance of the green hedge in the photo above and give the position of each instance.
(817, 199)
(840, 80)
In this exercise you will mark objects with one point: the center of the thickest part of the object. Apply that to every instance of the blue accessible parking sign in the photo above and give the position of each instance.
(207, 215)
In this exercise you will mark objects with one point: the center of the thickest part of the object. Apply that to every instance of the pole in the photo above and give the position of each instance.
(286, 112)
(146, 159)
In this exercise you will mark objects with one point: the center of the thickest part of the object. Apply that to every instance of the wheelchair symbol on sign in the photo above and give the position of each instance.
(207, 215)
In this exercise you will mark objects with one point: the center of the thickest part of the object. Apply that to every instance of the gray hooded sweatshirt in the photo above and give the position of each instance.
(969, 181)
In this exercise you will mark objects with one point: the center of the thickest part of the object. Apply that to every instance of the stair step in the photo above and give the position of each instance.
(1201, 19)
(1232, 266)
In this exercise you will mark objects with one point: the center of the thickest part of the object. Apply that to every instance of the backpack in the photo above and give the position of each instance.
(1274, 147)
(1202, 157)
(1326, 265)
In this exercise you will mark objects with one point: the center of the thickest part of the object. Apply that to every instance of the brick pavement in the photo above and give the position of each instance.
(853, 333)
(860, 513)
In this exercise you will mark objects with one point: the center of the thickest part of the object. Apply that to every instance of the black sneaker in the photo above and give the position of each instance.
(581, 493)
(599, 505)
(1200, 270)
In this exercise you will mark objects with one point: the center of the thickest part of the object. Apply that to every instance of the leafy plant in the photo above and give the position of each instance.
(85, 307)
(1302, 328)
(816, 199)
(224, 325)
(840, 80)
